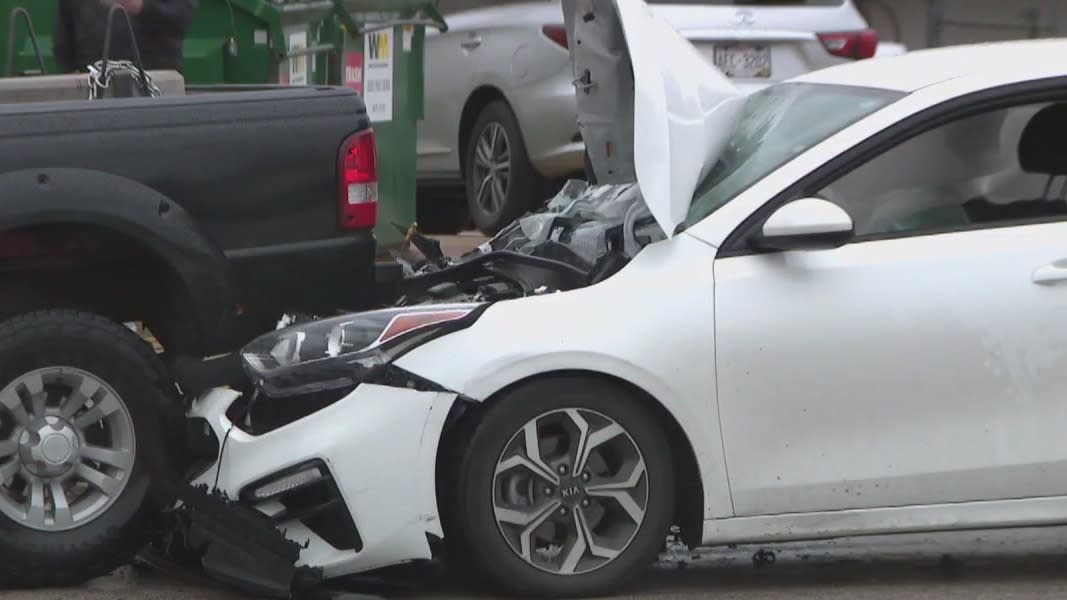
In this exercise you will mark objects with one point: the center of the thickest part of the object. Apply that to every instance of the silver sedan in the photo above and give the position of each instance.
(501, 119)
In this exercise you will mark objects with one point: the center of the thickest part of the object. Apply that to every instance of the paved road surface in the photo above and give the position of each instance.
(984, 566)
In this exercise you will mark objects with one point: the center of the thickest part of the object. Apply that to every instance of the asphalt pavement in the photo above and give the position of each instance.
(1000, 565)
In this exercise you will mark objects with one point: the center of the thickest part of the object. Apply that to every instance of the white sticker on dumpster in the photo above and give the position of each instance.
(378, 75)
(298, 66)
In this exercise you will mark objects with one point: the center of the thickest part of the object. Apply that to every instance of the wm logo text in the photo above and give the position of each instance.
(378, 45)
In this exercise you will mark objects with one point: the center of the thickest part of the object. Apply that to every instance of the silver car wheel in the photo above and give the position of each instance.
(67, 448)
(570, 491)
(492, 168)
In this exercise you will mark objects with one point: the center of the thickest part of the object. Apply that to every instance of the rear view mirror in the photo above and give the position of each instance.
(806, 224)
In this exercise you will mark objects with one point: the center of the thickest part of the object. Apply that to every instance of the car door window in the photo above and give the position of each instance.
(999, 167)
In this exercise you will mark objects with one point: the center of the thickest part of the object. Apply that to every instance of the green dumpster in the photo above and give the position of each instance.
(373, 46)
(230, 41)
(381, 45)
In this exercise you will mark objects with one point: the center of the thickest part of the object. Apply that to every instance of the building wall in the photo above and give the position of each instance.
(965, 21)
(907, 21)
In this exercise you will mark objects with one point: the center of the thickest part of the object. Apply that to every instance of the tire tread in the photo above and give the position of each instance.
(20, 568)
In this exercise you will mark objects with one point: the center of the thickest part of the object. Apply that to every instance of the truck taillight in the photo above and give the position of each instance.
(357, 181)
(851, 44)
(556, 33)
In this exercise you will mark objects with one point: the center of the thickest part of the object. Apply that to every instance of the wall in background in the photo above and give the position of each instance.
(917, 24)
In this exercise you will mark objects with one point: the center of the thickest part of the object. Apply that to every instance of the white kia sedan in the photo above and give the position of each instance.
(851, 328)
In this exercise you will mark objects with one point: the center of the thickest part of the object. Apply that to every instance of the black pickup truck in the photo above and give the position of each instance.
(195, 214)
(205, 217)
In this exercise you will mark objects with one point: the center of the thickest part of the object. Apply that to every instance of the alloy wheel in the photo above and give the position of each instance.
(492, 168)
(67, 448)
(570, 491)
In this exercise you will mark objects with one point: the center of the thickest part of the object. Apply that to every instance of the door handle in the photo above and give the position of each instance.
(1054, 272)
(471, 43)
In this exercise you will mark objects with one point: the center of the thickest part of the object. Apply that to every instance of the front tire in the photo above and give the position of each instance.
(82, 406)
(501, 183)
(567, 489)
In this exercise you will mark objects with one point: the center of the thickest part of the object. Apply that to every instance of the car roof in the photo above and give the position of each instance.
(1016, 60)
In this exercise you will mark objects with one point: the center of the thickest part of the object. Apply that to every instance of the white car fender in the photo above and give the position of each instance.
(578, 331)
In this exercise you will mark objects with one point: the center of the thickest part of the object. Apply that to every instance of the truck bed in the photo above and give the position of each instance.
(256, 171)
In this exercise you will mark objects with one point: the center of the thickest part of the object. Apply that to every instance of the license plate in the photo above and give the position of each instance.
(743, 61)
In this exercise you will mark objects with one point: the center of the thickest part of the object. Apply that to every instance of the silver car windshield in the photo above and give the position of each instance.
(780, 123)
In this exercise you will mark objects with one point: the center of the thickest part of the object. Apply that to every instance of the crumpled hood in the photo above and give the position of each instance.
(651, 109)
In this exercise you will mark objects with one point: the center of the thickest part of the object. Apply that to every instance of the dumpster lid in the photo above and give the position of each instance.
(381, 14)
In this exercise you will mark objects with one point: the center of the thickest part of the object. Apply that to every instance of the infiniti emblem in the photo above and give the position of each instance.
(746, 18)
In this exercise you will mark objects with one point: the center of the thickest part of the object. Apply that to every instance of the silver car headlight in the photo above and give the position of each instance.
(344, 351)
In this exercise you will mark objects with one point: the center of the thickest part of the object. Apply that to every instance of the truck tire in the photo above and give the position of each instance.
(83, 452)
(496, 197)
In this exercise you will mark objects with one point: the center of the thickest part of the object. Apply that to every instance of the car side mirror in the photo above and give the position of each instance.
(806, 224)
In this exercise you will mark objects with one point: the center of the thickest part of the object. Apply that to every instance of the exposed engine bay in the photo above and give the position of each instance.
(585, 234)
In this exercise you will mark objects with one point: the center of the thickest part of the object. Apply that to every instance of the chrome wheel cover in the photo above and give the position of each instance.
(67, 448)
(491, 171)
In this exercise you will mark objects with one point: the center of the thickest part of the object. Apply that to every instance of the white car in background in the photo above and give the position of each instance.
(500, 108)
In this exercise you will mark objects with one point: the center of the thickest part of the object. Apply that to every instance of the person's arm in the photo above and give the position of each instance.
(63, 38)
(170, 17)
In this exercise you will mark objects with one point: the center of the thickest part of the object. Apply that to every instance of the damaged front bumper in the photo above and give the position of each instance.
(353, 484)
(324, 464)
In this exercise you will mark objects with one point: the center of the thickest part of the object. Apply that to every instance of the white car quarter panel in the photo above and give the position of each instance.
(538, 88)
(507, 52)
(380, 444)
(449, 73)
(651, 325)
(920, 370)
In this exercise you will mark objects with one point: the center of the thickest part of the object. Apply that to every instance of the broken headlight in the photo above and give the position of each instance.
(344, 351)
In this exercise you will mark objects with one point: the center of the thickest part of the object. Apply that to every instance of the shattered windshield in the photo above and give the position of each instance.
(780, 123)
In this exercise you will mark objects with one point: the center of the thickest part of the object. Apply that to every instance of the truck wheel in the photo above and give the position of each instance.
(566, 489)
(82, 448)
(501, 183)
